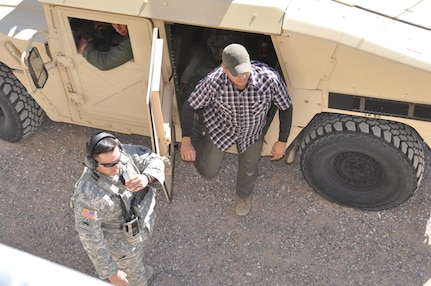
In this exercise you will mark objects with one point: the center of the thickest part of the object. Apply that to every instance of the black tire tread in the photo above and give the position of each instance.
(29, 115)
(402, 137)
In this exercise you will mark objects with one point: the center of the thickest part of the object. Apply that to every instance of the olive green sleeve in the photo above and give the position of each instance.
(113, 58)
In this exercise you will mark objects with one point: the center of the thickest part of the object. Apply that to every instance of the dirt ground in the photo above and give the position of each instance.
(291, 237)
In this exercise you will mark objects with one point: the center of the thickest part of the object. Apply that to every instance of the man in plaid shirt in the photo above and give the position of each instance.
(233, 101)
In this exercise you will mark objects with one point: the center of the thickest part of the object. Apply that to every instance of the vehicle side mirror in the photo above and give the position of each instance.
(37, 69)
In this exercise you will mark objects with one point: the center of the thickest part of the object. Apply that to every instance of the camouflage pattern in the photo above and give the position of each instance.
(99, 216)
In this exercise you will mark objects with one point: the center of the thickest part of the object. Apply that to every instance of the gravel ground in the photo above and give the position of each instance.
(291, 237)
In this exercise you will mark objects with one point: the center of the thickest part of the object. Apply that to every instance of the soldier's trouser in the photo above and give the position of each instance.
(209, 159)
(133, 263)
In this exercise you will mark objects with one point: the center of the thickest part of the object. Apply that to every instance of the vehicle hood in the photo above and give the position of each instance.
(21, 19)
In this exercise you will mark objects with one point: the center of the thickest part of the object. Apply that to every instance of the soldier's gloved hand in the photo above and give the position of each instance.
(119, 279)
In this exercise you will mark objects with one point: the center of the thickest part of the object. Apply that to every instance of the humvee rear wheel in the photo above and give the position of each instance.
(20, 114)
(361, 162)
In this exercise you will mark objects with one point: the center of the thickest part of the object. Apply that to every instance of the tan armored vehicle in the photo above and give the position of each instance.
(358, 71)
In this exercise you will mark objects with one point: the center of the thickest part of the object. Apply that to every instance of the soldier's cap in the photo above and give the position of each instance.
(236, 58)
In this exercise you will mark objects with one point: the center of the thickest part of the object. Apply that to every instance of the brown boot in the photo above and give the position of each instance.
(243, 206)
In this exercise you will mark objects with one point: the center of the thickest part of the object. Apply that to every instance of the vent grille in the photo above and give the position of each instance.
(379, 106)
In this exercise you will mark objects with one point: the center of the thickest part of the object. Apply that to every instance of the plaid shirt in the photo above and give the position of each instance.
(238, 116)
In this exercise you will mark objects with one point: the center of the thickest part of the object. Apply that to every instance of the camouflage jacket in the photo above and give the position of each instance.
(98, 210)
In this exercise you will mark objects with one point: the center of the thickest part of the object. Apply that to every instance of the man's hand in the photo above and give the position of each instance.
(278, 150)
(137, 183)
(119, 279)
(427, 233)
(82, 44)
(188, 152)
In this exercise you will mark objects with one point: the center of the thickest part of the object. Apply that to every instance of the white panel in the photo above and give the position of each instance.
(391, 8)
(365, 30)
(419, 14)
(314, 17)
(416, 12)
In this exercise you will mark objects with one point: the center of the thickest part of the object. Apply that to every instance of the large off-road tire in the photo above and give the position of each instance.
(362, 162)
(20, 114)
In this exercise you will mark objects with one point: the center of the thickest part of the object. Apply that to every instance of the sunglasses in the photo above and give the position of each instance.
(112, 164)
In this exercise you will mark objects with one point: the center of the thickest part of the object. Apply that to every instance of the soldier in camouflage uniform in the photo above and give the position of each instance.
(114, 175)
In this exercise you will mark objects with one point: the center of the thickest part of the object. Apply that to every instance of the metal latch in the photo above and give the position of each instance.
(65, 61)
(74, 96)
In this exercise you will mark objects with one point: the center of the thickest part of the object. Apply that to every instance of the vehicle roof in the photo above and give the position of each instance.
(394, 29)
(219, 12)
(247, 15)
(415, 12)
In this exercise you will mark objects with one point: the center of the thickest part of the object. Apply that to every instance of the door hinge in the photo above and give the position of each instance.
(66, 62)
(74, 96)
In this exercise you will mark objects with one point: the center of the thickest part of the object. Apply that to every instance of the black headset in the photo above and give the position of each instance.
(89, 161)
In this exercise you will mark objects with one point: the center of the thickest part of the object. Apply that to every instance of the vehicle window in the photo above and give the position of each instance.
(101, 34)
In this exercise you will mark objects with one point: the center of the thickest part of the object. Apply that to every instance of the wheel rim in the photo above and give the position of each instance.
(358, 170)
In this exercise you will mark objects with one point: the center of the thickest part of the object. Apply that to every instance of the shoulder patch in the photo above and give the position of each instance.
(87, 213)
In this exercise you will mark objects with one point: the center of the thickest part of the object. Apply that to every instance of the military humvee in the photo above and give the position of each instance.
(358, 71)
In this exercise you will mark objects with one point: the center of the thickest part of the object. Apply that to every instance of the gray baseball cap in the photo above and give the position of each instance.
(236, 58)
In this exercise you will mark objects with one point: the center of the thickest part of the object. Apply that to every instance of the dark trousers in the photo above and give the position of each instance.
(209, 160)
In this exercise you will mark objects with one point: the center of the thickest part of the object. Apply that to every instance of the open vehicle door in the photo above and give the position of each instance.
(160, 99)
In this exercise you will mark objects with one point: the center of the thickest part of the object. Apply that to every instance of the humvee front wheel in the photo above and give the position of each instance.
(20, 114)
(361, 162)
